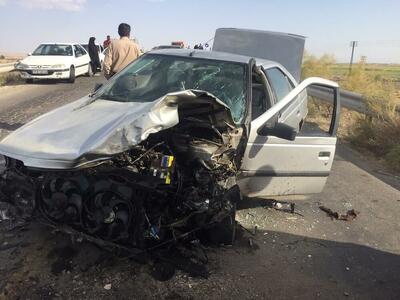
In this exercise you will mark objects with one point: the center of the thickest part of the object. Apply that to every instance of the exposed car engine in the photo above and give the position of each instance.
(178, 183)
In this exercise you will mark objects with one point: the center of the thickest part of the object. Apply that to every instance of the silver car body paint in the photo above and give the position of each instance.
(272, 166)
(88, 131)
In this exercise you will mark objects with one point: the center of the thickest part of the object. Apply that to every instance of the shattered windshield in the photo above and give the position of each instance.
(153, 76)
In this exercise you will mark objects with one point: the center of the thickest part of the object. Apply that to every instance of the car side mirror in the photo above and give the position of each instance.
(280, 130)
(97, 87)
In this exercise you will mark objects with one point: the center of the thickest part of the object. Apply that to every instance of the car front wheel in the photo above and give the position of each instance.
(71, 78)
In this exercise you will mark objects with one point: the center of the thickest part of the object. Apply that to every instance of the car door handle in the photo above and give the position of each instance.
(324, 155)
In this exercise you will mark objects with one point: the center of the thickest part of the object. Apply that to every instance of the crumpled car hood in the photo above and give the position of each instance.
(85, 130)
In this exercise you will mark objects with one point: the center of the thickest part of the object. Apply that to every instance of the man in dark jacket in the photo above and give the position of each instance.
(94, 55)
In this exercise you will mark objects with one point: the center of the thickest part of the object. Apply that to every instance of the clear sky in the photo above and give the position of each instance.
(328, 25)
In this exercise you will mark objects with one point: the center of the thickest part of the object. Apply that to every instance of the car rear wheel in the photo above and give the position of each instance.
(90, 70)
(71, 74)
(30, 80)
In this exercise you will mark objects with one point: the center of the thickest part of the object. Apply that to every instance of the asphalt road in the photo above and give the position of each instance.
(291, 256)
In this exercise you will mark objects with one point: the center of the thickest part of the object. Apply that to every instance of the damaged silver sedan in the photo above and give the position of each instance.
(166, 148)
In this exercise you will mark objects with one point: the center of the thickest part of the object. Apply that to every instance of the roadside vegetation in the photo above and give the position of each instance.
(379, 132)
(9, 78)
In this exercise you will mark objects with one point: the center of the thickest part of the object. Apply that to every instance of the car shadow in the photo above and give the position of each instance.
(48, 82)
(266, 265)
(10, 127)
(307, 268)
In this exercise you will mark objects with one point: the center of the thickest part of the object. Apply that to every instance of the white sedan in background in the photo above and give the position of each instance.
(55, 61)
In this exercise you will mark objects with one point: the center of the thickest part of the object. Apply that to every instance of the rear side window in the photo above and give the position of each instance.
(83, 50)
(77, 51)
(279, 82)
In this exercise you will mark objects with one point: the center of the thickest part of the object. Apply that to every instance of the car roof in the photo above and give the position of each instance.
(213, 55)
(167, 47)
(56, 43)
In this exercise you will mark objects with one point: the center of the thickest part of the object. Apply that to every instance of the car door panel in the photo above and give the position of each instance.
(85, 60)
(282, 83)
(281, 167)
(272, 166)
(81, 63)
(77, 61)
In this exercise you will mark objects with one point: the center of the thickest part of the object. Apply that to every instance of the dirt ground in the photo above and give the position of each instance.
(305, 255)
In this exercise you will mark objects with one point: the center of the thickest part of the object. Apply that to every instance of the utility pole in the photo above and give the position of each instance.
(353, 44)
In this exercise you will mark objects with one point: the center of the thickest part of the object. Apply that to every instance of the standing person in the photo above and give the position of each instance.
(94, 55)
(120, 52)
(107, 42)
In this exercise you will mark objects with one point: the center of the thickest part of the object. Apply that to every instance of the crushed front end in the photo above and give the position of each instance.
(177, 184)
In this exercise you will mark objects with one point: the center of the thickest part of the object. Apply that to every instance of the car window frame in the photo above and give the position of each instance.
(76, 47)
(83, 50)
(267, 90)
(289, 80)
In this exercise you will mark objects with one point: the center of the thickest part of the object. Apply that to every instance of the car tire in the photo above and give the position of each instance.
(71, 78)
(90, 71)
(30, 80)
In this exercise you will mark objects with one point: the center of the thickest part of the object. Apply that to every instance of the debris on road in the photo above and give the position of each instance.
(283, 206)
(349, 216)
(107, 286)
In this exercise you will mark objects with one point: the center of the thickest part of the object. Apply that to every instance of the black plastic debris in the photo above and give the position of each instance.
(10, 219)
(281, 206)
(284, 206)
(349, 216)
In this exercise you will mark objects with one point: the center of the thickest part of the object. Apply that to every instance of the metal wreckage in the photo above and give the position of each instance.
(173, 174)
(154, 156)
